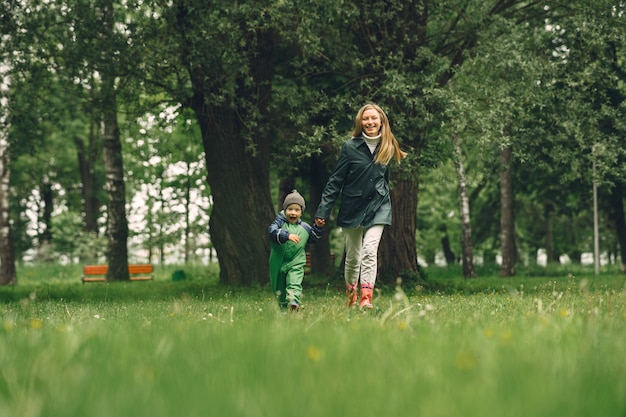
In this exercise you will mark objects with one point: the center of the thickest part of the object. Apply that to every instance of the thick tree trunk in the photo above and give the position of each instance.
(7, 253)
(397, 251)
(117, 255)
(242, 206)
(237, 156)
(467, 253)
(507, 232)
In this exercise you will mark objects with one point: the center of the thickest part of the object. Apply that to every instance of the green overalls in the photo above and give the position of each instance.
(287, 262)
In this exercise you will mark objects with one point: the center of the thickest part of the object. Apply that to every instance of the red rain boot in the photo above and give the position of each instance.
(366, 296)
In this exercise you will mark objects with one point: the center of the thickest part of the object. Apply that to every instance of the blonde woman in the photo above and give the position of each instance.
(361, 176)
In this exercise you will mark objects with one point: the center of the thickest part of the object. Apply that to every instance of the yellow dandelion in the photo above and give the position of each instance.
(564, 312)
(488, 333)
(314, 353)
(36, 324)
(8, 325)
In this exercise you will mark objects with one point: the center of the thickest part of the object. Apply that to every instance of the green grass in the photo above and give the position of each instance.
(525, 346)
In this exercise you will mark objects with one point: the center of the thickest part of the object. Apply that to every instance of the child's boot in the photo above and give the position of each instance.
(351, 294)
(366, 296)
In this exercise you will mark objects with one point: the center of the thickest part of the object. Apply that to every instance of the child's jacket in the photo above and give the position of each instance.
(285, 254)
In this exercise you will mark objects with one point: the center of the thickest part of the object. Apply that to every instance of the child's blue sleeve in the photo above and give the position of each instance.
(275, 231)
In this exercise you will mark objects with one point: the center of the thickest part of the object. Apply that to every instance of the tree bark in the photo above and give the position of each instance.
(398, 251)
(549, 215)
(242, 207)
(187, 232)
(507, 233)
(236, 144)
(86, 165)
(47, 200)
(321, 261)
(7, 254)
(117, 255)
(467, 254)
(448, 254)
(619, 221)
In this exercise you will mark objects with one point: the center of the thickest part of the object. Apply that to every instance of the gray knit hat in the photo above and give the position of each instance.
(293, 198)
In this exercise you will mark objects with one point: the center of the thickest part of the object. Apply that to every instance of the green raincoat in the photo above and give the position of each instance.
(287, 259)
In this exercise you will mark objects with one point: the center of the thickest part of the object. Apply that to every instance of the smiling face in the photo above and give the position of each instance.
(371, 122)
(293, 212)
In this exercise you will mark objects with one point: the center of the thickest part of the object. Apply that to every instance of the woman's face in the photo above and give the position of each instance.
(371, 122)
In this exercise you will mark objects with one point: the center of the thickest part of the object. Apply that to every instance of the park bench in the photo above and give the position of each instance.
(137, 272)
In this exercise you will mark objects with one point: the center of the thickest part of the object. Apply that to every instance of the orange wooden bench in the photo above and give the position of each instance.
(137, 272)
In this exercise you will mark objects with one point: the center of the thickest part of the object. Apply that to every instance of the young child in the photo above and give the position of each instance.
(288, 238)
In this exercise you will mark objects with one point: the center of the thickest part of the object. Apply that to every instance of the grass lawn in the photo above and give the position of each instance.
(527, 346)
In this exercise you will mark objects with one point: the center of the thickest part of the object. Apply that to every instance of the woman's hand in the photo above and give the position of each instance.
(320, 222)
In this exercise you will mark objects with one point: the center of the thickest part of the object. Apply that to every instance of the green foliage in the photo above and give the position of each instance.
(549, 81)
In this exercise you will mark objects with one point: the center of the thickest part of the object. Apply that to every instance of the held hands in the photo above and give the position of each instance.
(320, 222)
(294, 238)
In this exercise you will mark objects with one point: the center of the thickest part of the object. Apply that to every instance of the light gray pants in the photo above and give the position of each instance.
(362, 254)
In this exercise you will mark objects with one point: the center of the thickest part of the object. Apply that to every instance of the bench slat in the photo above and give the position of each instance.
(95, 270)
(140, 269)
(137, 272)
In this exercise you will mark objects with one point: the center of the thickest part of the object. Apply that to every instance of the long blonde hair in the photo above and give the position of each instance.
(389, 146)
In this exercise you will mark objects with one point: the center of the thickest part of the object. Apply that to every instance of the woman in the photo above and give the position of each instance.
(361, 176)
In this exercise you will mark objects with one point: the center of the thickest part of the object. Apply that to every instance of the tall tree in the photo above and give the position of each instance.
(507, 224)
(7, 254)
(226, 50)
(467, 256)
(117, 254)
(592, 92)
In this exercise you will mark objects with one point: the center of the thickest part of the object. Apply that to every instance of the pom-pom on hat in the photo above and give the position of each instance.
(293, 198)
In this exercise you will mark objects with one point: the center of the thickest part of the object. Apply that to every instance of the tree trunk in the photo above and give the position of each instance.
(86, 167)
(467, 254)
(549, 215)
(321, 261)
(187, 232)
(242, 206)
(47, 199)
(397, 251)
(235, 137)
(117, 255)
(114, 167)
(507, 232)
(448, 254)
(7, 253)
(619, 221)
